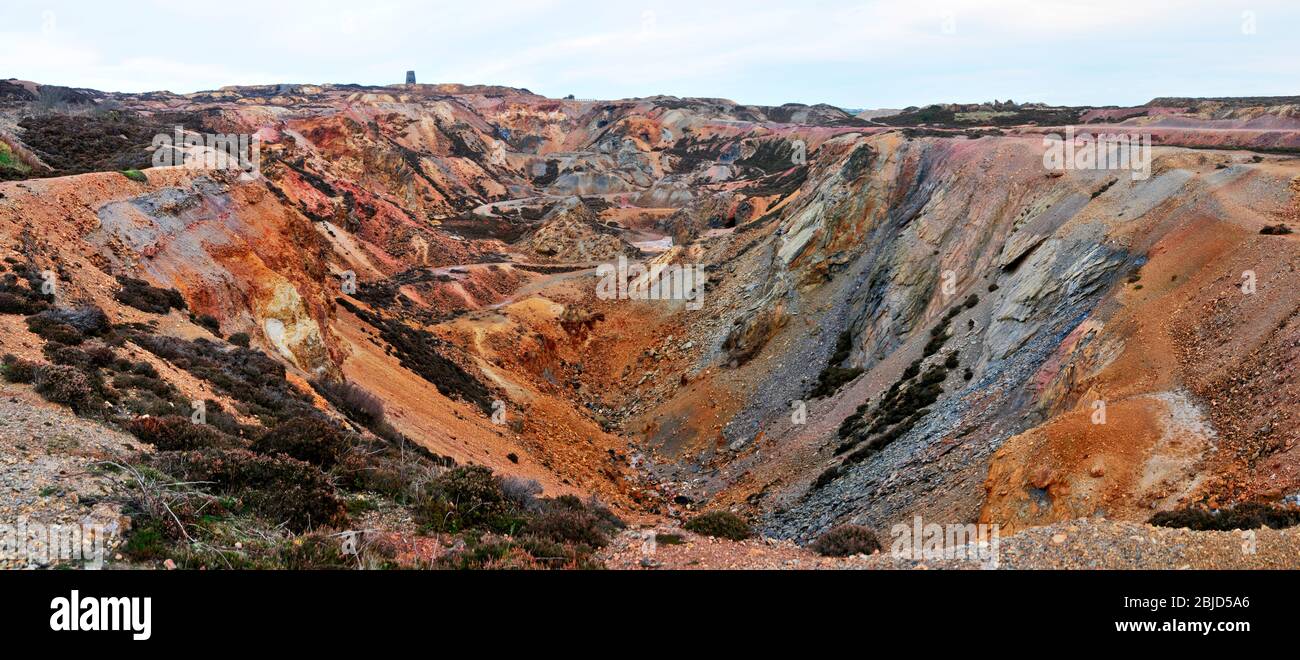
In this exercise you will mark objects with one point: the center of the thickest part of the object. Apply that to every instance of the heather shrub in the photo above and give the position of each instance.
(569, 521)
(220, 419)
(99, 353)
(23, 299)
(239, 339)
(834, 376)
(526, 553)
(176, 433)
(140, 295)
(169, 513)
(423, 353)
(352, 400)
(143, 369)
(283, 489)
(1249, 515)
(88, 320)
(17, 370)
(846, 540)
(250, 377)
(152, 384)
(144, 403)
(499, 554)
(826, 477)
(311, 439)
(209, 322)
(721, 524)
(66, 355)
(397, 467)
(523, 492)
(59, 383)
(11, 303)
(54, 331)
(360, 472)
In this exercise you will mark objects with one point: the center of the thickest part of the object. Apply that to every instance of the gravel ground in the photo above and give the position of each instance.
(1109, 544)
(46, 454)
(630, 551)
(1080, 544)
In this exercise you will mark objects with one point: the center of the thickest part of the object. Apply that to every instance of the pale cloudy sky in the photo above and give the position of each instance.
(865, 54)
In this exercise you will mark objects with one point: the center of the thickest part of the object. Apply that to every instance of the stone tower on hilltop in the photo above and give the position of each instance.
(410, 77)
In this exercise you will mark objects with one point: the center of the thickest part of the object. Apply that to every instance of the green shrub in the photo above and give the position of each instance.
(314, 551)
(721, 524)
(147, 542)
(467, 497)
(135, 175)
(846, 540)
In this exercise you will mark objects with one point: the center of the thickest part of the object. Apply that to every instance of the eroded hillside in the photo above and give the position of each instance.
(900, 317)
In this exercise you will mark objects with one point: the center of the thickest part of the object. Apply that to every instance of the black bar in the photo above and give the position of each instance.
(546, 608)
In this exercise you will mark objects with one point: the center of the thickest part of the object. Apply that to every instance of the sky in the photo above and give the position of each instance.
(865, 54)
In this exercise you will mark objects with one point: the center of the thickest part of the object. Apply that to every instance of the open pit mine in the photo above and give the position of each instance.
(437, 326)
